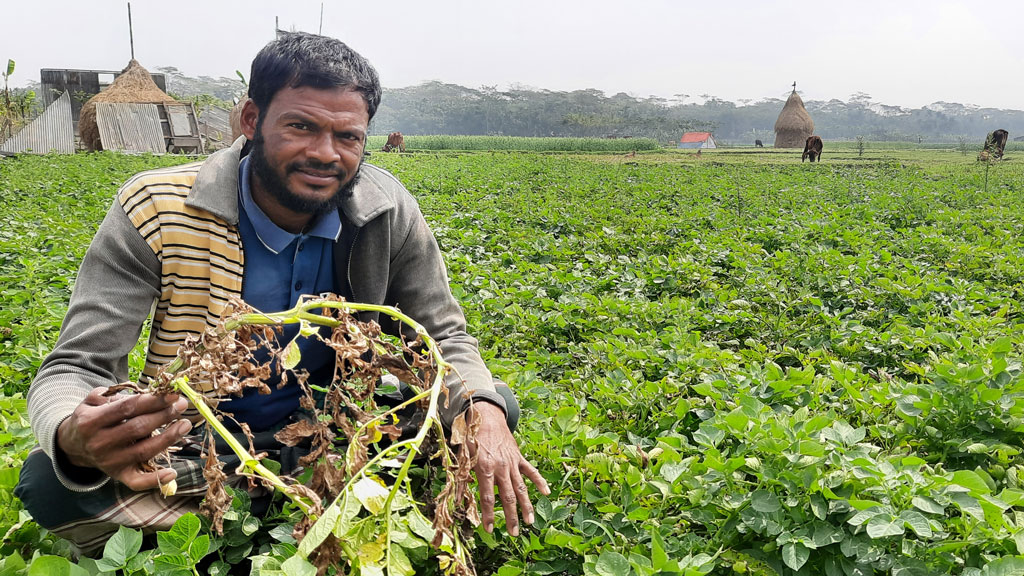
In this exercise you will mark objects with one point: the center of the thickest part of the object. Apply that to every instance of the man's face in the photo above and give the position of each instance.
(307, 146)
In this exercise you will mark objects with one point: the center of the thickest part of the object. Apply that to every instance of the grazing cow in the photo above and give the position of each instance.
(812, 148)
(395, 143)
(995, 142)
(758, 144)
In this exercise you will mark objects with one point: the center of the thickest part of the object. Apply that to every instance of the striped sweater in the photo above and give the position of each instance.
(201, 259)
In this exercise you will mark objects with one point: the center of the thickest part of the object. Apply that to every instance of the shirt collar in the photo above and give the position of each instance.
(275, 238)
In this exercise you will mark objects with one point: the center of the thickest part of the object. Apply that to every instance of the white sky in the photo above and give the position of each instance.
(908, 53)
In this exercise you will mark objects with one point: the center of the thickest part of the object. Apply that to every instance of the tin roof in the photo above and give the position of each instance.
(695, 137)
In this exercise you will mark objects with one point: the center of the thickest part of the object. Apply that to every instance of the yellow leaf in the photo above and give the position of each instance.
(371, 493)
(292, 355)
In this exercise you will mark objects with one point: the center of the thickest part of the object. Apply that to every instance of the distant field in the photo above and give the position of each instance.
(440, 142)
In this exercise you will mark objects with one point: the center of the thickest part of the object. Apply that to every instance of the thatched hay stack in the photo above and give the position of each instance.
(134, 85)
(794, 125)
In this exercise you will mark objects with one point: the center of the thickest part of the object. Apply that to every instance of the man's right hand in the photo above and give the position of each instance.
(115, 435)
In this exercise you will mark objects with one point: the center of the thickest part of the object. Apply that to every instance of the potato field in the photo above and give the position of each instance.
(732, 363)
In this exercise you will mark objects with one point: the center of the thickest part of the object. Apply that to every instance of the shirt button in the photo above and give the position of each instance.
(298, 286)
(301, 246)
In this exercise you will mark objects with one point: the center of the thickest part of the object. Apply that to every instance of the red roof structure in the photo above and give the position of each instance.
(697, 140)
(695, 137)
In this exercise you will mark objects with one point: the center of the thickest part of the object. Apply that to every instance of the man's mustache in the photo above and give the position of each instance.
(331, 169)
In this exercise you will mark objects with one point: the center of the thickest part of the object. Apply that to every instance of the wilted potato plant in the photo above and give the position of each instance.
(358, 506)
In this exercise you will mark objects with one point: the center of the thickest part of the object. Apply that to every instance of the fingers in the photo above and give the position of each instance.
(112, 411)
(129, 472)
(142, 426)
(140, 481)
(485, 478)
(533, 474)
(508, 501)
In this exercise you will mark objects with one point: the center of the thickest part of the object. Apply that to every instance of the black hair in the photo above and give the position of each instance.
(298, 59)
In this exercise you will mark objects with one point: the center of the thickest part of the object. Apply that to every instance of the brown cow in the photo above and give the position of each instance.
(395, 143)
(995, 142)
(812, 148)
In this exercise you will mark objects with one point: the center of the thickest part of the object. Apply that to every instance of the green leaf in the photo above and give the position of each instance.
(972, 481)
(298, 566)
(10, 67)
(882, 526)
(795, 554)
(659, 558)
(611, 563)
(765, 501)
(1010, 566)
(173, 561)
(187, 527)
(672, 470)
(178, 538)
(398, 562)
(349, 508)
(969, 505)
(124, 544)
(321, 529)
(917, 522)
(250, 525)
(926, 504)
(54, 566)
(199, 548)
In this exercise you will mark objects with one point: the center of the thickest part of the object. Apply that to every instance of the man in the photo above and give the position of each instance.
(288, 210)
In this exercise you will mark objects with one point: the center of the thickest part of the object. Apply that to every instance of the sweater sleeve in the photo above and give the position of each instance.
(419, 286)
(117, 284)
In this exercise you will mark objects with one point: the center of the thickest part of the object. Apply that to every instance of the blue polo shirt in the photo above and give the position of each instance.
(279, 267)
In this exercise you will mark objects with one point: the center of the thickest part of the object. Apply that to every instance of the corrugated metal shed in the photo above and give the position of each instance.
(130, 127)
(53, 131)
(215, 125)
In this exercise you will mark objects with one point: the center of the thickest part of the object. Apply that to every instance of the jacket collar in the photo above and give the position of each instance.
(216, 189)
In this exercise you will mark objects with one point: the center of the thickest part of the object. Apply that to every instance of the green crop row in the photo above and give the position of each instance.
(518, 143)
(748, 366)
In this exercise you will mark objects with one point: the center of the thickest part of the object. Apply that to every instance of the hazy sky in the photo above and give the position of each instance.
(906, 53)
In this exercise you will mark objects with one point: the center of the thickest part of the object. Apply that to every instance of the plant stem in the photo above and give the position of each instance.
(248, 462)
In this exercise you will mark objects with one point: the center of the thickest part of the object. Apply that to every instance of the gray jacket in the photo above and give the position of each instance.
(386, 253)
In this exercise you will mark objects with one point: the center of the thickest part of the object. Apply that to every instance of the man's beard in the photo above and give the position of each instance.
(274, 183)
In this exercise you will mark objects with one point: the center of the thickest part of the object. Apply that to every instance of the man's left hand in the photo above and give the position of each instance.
(499, 463)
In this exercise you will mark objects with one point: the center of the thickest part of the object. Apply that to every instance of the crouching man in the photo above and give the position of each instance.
(290, 209)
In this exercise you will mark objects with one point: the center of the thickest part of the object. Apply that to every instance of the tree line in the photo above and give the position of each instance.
(439, 108)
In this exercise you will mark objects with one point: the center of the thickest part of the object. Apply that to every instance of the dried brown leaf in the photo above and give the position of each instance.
(296, 432)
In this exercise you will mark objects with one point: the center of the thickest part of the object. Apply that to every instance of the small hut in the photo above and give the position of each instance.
(133, 85)
(794, 125)
(697, 140)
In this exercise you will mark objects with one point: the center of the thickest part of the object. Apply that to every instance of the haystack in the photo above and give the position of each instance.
(134, 85)
(794, 125)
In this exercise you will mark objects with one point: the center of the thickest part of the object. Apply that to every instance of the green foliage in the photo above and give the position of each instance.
(50, 207)
(828, 381)
(512, 143)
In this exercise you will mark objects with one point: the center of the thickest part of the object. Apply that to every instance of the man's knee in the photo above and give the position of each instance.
(48, 501)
